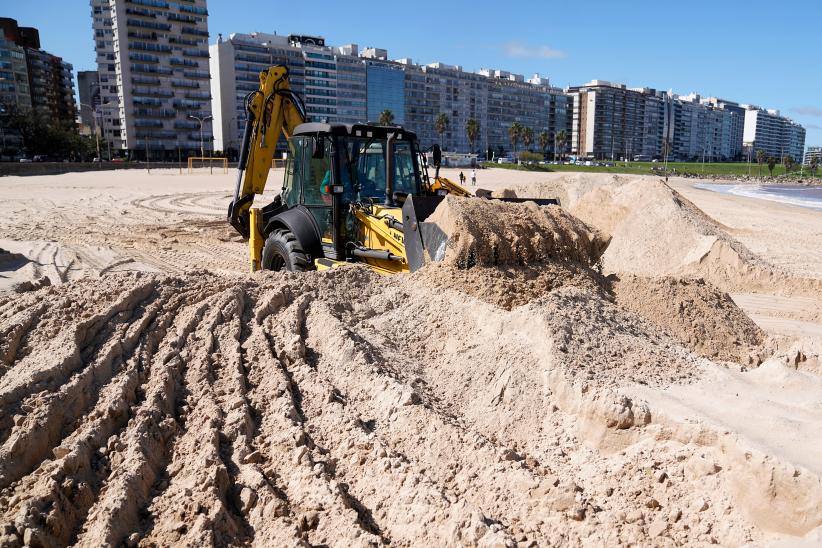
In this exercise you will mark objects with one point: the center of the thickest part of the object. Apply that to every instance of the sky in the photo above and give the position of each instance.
(760, 52)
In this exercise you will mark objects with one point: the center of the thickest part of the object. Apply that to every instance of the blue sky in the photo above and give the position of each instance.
(753, 51)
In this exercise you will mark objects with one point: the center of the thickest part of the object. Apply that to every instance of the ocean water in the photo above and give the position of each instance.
(802, 196)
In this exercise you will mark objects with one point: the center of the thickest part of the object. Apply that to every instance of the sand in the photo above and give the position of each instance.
(550, 391)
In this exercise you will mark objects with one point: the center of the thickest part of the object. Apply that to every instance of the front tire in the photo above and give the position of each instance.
(282, 251)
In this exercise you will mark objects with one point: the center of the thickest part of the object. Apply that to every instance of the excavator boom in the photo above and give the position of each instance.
(272, 110)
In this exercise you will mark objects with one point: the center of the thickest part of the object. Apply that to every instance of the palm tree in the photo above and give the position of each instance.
(544, 139)
(386, 118)
(527, 137)
(472, 130)
(561, 138)
(814, 165)
(515, 134)
(787, 162)
(441, 125)
(771, 164)
(760, 159)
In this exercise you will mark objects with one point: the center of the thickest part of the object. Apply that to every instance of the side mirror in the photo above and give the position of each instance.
(437, 155)
(318, 152)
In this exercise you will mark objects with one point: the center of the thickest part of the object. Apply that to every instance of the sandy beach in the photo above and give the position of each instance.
(641, 367)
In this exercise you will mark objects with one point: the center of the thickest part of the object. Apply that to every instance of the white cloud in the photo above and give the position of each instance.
(519, 49)
(808, 111)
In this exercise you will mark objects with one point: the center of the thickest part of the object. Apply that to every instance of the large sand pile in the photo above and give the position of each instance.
(341, 408)
(511, 395)
(656, 231)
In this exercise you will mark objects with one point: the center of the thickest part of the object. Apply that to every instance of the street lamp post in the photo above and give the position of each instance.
(202, 121)
(95, 128)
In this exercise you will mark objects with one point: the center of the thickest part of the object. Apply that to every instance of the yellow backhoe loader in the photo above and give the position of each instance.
(351, 193)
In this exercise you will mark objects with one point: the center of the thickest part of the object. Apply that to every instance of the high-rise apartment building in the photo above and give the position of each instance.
(330, 81)
(612, 121)
(88, 87)
(14, 93)
(108, 113)
(775, 135)
(49, 80)
(152, 59)
(14, 76)
(733, 127)
(347, 85)
(704, 129)
(811, 153)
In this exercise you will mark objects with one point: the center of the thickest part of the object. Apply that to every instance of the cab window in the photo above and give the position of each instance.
(293, 169)
(317, 173)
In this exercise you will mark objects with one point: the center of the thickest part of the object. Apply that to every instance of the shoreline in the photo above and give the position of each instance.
(771, 193)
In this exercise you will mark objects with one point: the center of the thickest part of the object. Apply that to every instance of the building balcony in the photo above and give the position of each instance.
(187, 105)
(186, 124)
(165, 135)
(148, 123)
(184, 84)
(154, 113)
(202, 74)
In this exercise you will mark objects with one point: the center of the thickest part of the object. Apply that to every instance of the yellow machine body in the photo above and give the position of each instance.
(442, 185)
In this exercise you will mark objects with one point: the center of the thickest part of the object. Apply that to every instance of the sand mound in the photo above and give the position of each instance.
(342, 408)
(493, 233)
(705, 319)
(655, 231)
(511, 286)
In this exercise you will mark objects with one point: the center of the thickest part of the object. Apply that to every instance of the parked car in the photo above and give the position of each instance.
(25, 160)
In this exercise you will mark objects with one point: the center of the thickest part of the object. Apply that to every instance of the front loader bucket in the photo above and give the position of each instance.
(424, 242)
(508, 232)
(489, 195)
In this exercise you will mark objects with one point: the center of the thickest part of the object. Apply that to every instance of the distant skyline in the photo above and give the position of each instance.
(758, 52)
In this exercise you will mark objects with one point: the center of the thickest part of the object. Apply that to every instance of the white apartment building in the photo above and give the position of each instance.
(612, 121)
(705, 129)
(152, 57)
(813, 152)
(331, 81)
(347, 84)
(775, 135)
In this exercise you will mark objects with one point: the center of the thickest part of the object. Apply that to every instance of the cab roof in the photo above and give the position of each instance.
(354, 130)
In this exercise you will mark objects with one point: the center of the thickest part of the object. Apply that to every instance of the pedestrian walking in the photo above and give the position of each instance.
(462, 178)
(473, 177)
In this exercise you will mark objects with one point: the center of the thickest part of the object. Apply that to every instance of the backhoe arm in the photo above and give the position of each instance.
(271, 110)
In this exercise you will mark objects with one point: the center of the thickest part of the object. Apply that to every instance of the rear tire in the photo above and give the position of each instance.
(283, 251)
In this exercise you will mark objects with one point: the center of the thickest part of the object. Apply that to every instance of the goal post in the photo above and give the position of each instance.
(211, 161)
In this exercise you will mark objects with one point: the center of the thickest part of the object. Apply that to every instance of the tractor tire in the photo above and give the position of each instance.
(282, 251)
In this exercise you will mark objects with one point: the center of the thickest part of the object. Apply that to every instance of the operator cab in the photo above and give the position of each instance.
(331, 166)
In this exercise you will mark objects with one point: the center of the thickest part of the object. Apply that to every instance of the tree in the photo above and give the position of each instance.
(760, 159)
(472, 131)
(386, 118)
(787, 161)
(544, 140)
(441, 125)
(527, 136)
(42, 135)
(562, 138)
(771, 164)
(515, 134)
(814, 165)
